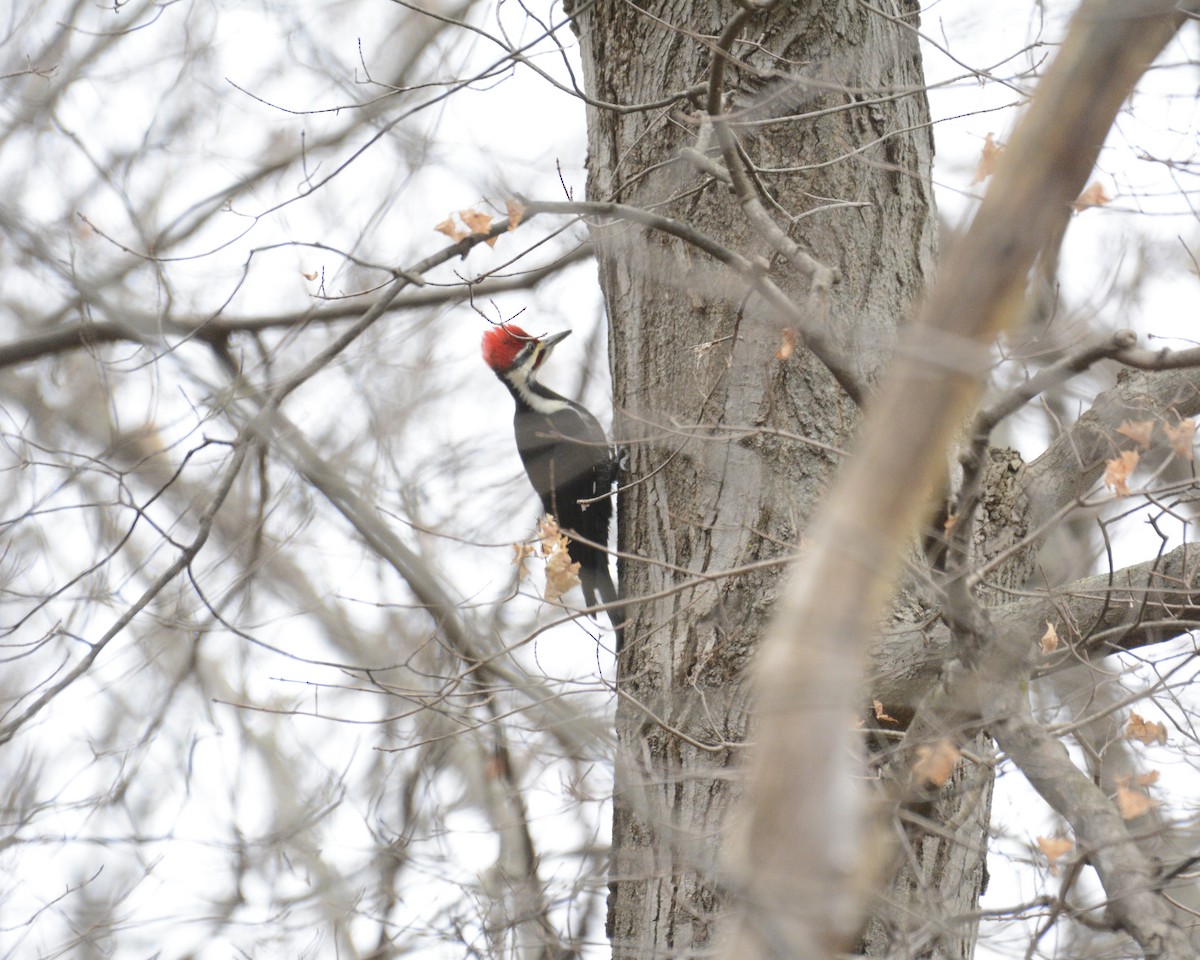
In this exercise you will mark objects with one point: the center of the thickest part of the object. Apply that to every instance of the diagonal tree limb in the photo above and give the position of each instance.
(799, 864)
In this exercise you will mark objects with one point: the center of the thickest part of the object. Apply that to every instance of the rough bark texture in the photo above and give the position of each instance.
(713, 483)
(929, 909)
(943, 871)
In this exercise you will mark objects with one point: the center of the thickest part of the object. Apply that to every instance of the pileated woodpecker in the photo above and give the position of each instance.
(566, 455)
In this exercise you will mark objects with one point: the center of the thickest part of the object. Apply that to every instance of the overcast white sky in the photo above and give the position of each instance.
(513, 134)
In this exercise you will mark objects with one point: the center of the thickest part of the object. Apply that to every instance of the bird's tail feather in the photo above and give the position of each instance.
(596, 579)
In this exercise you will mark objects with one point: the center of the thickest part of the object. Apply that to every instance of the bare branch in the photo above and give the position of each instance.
(755, 275)
(1147, 603)
(819, 275)
(186, 556)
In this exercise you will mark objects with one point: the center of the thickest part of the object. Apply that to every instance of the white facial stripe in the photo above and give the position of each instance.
(520, 376)
(535, 400)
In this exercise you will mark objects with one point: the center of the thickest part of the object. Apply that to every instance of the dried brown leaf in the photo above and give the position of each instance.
(1053, 849)
(787, 343)
(1138, 431)
(561, 574)
(516, 213)
(1132, 803)
(549, 536)
(478, 223)
(521, 552)
(1181, 437)
(880, 715)
(987, 160)
(1116, 474)
(1049, 638)
(1093, 196)
(452, 229)
(936, 762)
(1147, 731)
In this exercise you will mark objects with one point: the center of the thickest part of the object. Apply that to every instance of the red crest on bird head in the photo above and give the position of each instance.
(502, 343)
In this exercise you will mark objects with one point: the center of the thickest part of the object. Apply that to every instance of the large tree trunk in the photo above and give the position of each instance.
(720, 476)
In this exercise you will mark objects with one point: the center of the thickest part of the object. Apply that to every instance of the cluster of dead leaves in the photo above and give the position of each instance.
(1093, 196)
(561, 572)
(1180, 437)
(1145, 731)
(1132, 801)
(1133, 798)
(473, 223)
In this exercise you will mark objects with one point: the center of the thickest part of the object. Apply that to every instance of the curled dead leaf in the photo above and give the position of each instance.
(787, 344)
(452, 229)
(880, 715)
(1049, 638)
(1181, 438)
(1131, 802)
(516, 213)
(987, 160)
(1093, 196)
(1116, 474)
(561, 573)
(1053, 849)
(521, 552)
(477, 223)
(935, 762)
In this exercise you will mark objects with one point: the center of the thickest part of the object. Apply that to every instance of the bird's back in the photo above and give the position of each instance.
(567, 459)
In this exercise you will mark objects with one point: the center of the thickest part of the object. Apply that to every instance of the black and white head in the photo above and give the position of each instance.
(515, 356)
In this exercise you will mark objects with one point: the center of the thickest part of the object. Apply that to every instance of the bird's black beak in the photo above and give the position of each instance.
(547, 344)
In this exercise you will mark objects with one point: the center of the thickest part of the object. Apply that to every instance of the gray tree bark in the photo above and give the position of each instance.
(729, 445)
